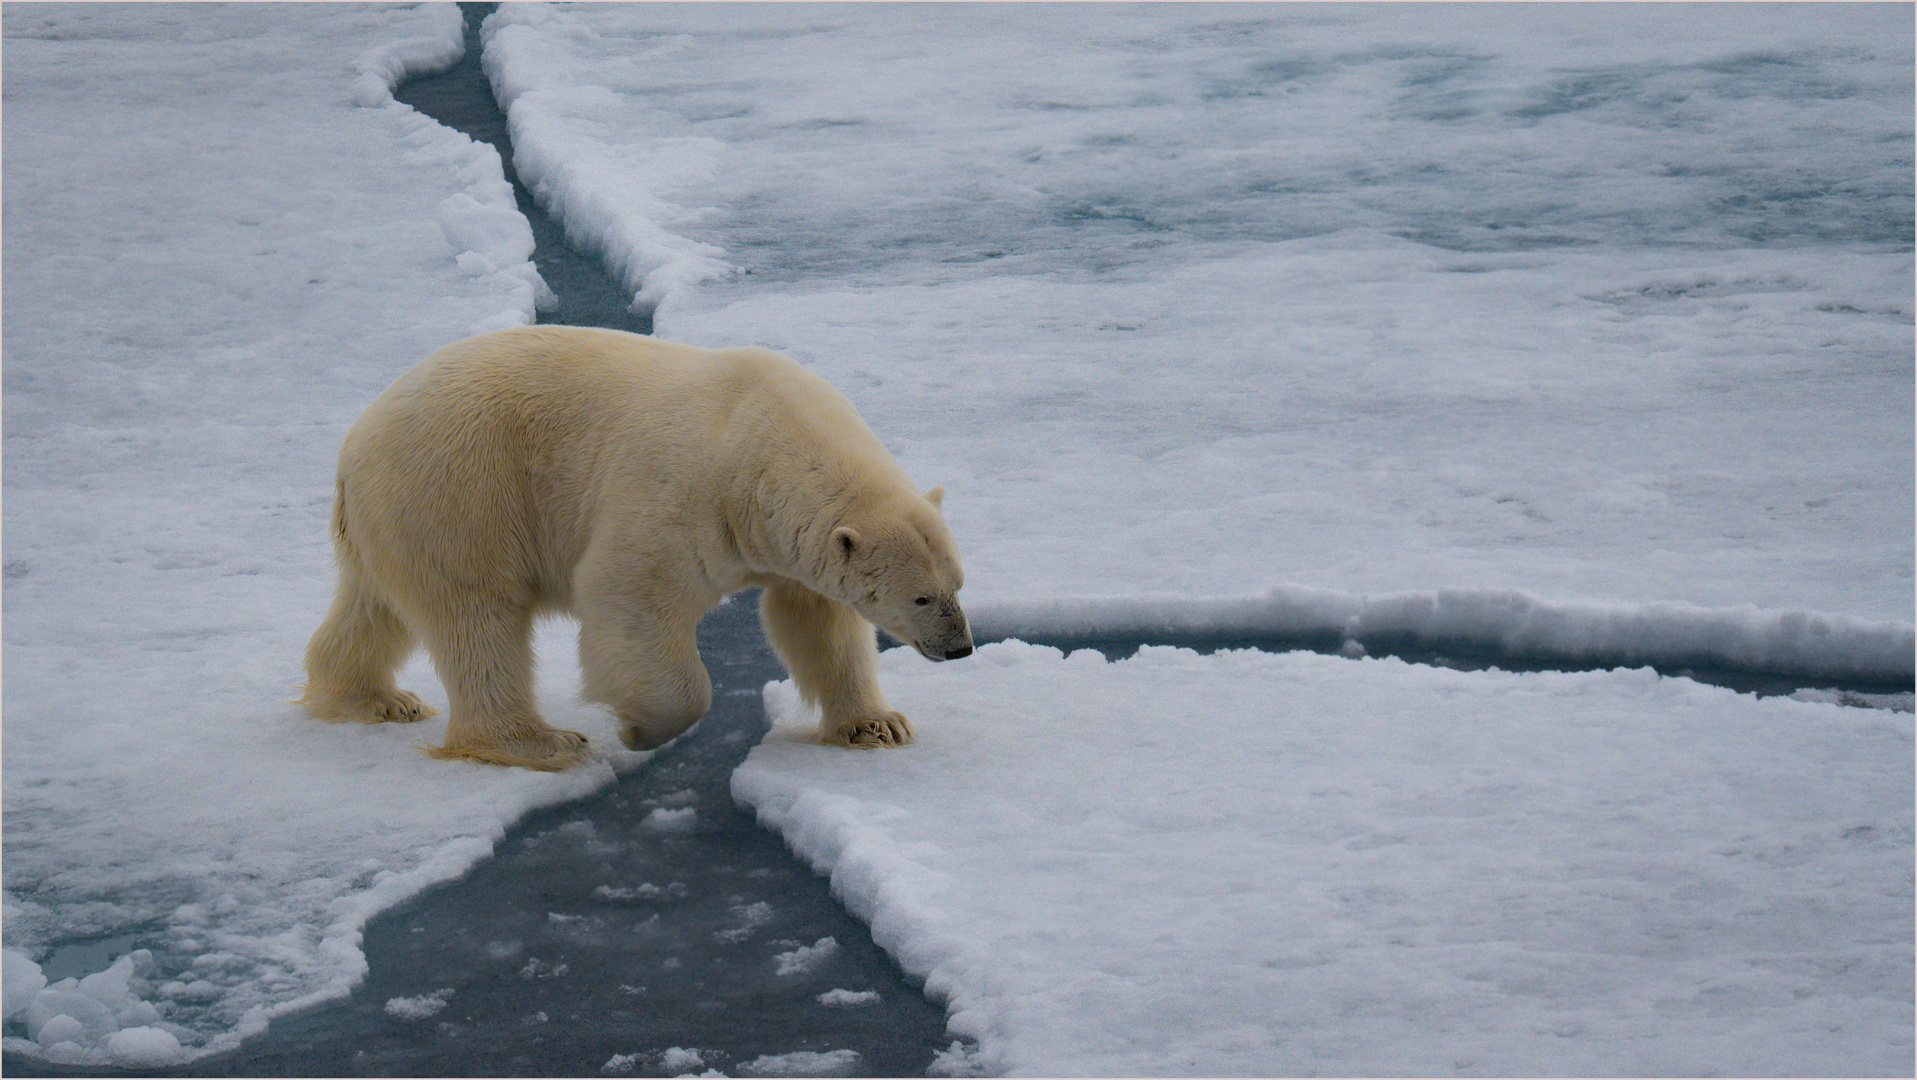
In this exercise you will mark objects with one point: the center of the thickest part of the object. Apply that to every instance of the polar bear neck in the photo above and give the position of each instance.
(815, 466)
(787, 527)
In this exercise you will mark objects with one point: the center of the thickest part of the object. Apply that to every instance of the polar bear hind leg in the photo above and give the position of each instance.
(833, 655)
(482, 646)
(351, 659)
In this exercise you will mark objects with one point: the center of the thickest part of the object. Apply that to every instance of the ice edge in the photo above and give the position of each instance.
(1790, 641)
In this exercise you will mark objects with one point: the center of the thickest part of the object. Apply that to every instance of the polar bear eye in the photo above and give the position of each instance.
(922, 601)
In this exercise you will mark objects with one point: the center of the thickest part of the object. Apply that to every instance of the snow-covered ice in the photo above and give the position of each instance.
(1202, 300)
(684, 819)
(1582, 332)
(805, 958)
(422, 1007)
(679, 1059)
(848, 999)
(1249, 864)
(803, 1063)
(74, 1020)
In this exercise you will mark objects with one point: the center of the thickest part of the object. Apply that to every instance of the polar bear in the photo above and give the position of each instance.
(634, 483)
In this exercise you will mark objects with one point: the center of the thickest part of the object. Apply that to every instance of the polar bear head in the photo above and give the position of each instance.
(896, 563)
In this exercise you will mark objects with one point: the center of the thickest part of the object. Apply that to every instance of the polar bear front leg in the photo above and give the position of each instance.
(833, 655)
(483, 649)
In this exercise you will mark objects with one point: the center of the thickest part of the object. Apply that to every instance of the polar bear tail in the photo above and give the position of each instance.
(339, 516)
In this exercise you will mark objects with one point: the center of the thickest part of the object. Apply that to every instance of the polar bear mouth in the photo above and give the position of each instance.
(938, 657)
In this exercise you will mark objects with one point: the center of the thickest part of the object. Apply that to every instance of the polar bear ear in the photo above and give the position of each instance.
(936, 497)
(845, 541)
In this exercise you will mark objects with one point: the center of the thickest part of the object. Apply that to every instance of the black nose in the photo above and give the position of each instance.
(959, 653)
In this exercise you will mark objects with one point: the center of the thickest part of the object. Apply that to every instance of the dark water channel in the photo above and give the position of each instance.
(1473, 656)
(592, 936)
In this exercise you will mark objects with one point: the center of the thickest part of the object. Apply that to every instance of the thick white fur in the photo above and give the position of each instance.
(634, 483)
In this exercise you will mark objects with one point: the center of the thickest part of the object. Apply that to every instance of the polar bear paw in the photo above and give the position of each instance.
(550, 750)
(868, 732)
(380, 707)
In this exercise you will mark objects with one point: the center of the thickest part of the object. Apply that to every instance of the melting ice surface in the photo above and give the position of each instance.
(1582, 331)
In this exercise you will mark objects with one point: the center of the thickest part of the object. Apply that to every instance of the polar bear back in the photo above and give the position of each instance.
(517, 448)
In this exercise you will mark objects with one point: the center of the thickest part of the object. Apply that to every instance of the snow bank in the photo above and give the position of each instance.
(600, 179)
(441, 44)
(491, 238)
(495, 244)
(1801, 643)
(104, 1018)
(1247, 864)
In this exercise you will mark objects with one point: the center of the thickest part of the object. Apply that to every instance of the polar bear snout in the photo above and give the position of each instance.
(949, 638)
